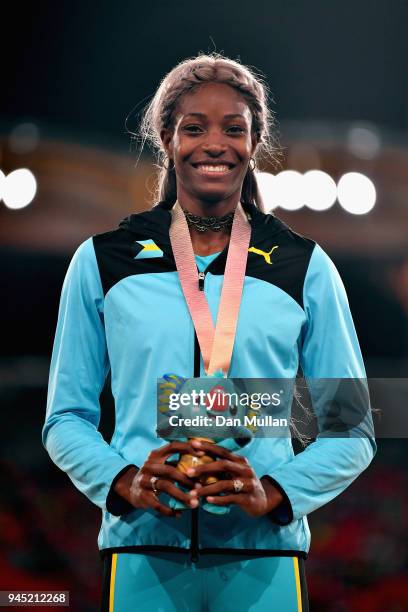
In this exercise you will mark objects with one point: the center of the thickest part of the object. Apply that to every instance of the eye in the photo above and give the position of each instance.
(192, 129)
(237, 129)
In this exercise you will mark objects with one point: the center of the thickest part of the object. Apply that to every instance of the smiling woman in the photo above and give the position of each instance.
(210, 145)
(210, 122)
(246, 114)
(141, 300)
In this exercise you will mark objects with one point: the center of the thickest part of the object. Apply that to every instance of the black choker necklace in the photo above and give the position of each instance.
(215, 224)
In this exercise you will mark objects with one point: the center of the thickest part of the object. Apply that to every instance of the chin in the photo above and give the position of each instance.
(212, 197)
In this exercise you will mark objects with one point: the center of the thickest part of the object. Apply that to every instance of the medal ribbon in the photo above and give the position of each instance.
(217, 343)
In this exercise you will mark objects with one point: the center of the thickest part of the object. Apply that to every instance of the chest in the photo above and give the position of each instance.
(149, 314)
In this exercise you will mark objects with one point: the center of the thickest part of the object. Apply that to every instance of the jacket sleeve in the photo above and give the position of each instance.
(78, 369)
(328, 349)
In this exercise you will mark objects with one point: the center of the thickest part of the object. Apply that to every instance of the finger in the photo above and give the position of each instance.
(172, 448)
(223, 500)
(222, 486)
(174, 462)
(168, 471)
(216, 450)
(159, 507)
(222, 465)
(171, 489)
(173, 473)
(219, 451)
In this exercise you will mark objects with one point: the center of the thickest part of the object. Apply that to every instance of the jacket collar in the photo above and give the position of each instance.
(156, 223)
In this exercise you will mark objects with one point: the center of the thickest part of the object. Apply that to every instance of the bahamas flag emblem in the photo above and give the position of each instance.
(149, 249)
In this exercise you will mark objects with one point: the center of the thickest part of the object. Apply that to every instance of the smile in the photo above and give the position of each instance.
(217, 170)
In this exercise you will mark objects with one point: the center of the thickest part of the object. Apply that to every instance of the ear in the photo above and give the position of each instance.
(166, 136)
(254, 142)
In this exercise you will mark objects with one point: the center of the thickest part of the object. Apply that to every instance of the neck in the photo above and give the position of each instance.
(205, 243)
(204, 208)
(208, 242)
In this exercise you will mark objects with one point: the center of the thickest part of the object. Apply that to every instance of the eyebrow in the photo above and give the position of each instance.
(230, 116)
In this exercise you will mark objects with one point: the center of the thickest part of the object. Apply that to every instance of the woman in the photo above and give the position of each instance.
(126, 305)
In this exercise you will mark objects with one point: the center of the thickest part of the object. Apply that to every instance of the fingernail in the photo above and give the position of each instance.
(210, 499)
(193, 492)
(196, 443)
(190, 472)
(194, 503)
(198, 485)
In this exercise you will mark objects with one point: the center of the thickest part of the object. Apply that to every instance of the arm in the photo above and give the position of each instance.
(78, 369)
(329, 349)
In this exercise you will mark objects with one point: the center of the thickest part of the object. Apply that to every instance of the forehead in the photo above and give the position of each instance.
(213, 99)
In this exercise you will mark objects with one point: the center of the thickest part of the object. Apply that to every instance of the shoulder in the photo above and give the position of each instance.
(302, 267)
(298, 245)
(83, 257)
(323, 284)
(269, 226)
(144, 224)
(322, 266)
(278, 254)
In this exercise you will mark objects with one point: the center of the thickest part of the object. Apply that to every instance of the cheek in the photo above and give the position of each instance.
(248, 146)
(181, 146)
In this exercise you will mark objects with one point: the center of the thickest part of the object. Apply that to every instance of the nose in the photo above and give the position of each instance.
(214, 145)
(214, 150)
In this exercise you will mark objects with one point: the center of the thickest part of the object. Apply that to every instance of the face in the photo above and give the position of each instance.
(211, 143)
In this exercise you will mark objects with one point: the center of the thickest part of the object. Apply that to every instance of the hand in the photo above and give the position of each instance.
(256, 498)
(135, 485)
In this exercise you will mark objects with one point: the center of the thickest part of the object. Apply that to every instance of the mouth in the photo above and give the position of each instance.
(211, 169)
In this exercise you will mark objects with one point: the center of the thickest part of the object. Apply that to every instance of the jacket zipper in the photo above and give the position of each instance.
(201, 279)
(194, 512)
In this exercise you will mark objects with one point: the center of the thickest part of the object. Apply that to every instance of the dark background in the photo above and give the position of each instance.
(82, 66)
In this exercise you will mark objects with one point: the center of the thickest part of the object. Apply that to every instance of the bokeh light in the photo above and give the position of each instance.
(364, 141)
(320, 190)
(19, 188)
(266, 182)
(2, 179)
(24, 138)
(288, 190)
(356, 193)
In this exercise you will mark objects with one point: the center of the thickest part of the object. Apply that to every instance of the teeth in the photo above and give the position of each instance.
(213, 168)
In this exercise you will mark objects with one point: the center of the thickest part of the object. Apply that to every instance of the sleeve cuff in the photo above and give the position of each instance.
(115, 504)
(282, 514)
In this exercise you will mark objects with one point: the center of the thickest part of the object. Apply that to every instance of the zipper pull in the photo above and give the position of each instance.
(201, 277)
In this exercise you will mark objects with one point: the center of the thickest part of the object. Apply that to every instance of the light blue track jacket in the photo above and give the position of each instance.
(122, 309)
